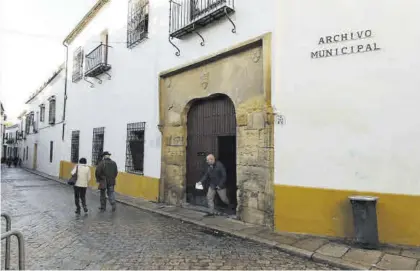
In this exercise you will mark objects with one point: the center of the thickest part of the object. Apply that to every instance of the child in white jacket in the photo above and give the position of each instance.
(83, 178)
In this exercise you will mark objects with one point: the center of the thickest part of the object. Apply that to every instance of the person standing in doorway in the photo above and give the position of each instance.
(215, 179)
(106, 174)
(83, 178)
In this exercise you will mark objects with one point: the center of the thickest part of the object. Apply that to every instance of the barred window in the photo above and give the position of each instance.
(134, 160)
(29, 122)
(137, 22)
(35, 124)
(77, 65)
(51, 117)
(97, 145)
(42, 113)
(75, 139)
(51, 151)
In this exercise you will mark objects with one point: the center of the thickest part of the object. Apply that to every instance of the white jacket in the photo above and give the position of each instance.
(83, 175)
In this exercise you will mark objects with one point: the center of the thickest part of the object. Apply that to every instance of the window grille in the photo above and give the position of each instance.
(35, 123)
(134, 160)
(77, 65)
(137, 22)
(75, 139)
(29, 122)
(97, 145)
(42, 113)
(51, 117)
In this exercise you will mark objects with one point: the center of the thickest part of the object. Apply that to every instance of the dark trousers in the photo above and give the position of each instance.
(108, 191)
(80, 194)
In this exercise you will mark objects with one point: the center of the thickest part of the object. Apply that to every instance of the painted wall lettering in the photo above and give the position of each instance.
(345, 49)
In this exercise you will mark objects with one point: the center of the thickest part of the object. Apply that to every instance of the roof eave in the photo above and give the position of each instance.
(85, 21)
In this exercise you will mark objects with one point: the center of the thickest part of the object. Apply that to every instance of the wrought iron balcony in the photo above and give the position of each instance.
(187, 16)
(97, 61)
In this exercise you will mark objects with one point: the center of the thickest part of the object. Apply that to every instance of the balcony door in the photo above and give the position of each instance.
(104, 40)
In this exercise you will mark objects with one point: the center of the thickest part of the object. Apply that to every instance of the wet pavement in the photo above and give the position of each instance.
(55, 238)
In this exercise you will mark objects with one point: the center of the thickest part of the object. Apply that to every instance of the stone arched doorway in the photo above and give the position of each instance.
(211, 128)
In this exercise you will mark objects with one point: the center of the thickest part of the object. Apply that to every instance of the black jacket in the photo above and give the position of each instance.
(215, 176)
(106, 171)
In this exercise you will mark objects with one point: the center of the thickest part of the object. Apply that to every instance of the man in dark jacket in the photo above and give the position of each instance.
(106, 173)
(215, 179)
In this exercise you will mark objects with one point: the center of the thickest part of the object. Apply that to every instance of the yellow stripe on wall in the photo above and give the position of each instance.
(328, 212)
(127, 184)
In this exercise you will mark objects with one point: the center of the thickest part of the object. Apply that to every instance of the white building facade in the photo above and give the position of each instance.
(347, 89)
(42, 126)
(304, 102)
(121, 99)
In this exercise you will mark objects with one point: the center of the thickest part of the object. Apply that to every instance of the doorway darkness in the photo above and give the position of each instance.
(227, 155)
(211, 128)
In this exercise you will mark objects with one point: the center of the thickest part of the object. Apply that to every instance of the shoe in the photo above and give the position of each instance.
(102, 209)
(77, 211)
(114, 207)
(85, 209)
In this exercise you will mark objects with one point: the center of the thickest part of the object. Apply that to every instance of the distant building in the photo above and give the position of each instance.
(42, 125)
(13, 141)
(2, 130)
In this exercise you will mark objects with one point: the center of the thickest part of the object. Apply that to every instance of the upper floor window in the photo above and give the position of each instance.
(35, 124)
(42, 113)
(51, 116)
(29, 122)
(137, 22)
(77, 65)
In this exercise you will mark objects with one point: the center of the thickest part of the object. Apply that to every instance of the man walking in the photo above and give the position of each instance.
(215, 178)
(106, 173)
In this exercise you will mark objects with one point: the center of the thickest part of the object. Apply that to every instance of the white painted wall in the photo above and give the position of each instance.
(47, 132)
(351, 121)
(132, 93)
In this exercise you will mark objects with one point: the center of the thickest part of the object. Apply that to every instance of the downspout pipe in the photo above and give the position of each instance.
(65, 86)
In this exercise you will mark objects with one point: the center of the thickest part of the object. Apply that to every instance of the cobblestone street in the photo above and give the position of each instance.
(56, 238)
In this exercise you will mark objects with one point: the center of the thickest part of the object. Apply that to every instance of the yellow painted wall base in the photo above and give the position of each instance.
(328, 212)
(127, 184)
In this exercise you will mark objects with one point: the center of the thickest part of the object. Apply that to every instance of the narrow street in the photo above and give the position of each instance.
(56, 238)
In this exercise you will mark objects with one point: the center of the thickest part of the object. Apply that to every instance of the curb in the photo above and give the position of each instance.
(302, 253)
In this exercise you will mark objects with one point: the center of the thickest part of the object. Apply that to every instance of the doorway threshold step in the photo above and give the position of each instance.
(185, 212)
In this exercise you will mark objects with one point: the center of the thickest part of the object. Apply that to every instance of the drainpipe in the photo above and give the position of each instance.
(65, 88)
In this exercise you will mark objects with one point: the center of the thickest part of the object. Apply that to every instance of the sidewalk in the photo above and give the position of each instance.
(334, 252)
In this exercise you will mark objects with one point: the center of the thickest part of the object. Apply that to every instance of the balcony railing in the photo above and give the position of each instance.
(97, 61)
(187, 15)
